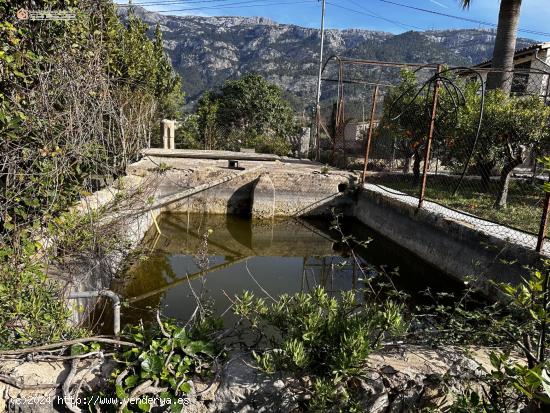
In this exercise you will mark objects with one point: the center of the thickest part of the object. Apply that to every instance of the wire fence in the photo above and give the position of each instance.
(443, 139)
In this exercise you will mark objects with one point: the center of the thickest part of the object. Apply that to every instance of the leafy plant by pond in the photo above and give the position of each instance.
(515, 328)
(158, 372)
(31, 312)
(319, 335)
(329, 339)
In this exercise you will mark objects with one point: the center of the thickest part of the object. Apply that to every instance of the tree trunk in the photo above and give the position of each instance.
(505, 46)
(485, 169)
(504, 182)
(534, 170)
(416, 167)
(407, 165)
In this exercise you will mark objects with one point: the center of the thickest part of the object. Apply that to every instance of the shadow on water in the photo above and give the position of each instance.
(273, 257)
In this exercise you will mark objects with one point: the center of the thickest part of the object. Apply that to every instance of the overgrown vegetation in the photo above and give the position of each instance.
(517, 329)
(78, 100)
(329, 339)
(31, 312)
(520, 374)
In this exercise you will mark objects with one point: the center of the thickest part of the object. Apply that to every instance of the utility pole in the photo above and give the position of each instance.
(318, 106)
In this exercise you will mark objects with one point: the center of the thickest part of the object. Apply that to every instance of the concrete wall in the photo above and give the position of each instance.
(267, 194)
(451, 246)
(262, 190)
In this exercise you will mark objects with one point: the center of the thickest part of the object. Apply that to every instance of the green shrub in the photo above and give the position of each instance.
(248, 112)
(272, 144)
(319, 335)
(31, 310)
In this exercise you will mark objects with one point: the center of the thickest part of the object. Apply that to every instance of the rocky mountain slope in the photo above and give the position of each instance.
(208, 50)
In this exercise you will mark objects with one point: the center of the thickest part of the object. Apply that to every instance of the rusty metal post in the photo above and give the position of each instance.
(543, 223)
(339, 110)
(430, 138)
(341, 124)
(369, 136)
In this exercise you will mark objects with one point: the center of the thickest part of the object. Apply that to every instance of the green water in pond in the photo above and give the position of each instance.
(283, 256)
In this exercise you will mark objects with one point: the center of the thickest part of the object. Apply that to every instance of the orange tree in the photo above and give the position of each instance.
(512, 127)
(407, 114)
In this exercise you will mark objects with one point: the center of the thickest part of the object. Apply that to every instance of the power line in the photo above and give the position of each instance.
(363, 11)
(216, 6)
(239, 4)
(165, 2)
(452, 16)
(376, 16)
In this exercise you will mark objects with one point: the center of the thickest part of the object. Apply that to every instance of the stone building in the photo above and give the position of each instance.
(532, 66)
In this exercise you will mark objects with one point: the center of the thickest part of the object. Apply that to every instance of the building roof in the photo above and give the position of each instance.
(520, 52)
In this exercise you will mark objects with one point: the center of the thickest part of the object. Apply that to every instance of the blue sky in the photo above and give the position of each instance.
(365, 14)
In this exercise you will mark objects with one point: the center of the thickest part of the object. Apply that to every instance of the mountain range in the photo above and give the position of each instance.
(208, 50)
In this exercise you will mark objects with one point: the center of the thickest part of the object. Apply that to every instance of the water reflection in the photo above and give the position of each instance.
(271, 257)
(283, 256)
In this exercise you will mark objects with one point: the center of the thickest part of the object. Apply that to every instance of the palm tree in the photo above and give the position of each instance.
(505, 44)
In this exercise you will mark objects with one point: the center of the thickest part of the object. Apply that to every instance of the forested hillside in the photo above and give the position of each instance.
(208, 50)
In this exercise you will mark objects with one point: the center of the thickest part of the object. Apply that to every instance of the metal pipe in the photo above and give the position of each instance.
(543, 223)
(318, 104)
(369, 136)
(318, 126)
(430, 138)
(357, 82)
(340, 121)
(383, 63)
(103, 293)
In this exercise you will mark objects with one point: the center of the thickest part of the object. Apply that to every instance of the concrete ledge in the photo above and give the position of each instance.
(204, 154)
(287, 188)
(457, 248)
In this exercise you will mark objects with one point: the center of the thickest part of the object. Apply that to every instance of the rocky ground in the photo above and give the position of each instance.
(397, 378)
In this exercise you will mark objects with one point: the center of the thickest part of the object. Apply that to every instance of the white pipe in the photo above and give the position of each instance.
(318, 104)
(103, 293)
(321, 52)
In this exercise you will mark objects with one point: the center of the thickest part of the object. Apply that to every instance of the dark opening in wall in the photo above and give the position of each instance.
(240, 202)
(342, 187)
